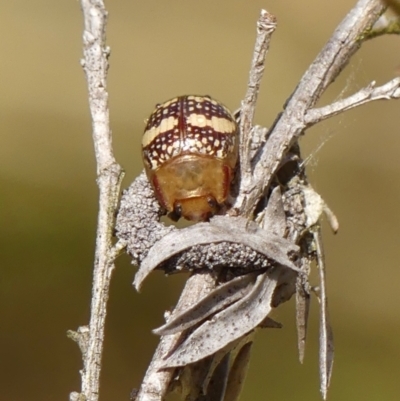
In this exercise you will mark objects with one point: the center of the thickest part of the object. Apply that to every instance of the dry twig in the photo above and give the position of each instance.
(109, 177)
(266, 26)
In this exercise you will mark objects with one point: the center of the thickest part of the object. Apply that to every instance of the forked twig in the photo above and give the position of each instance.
(345, 41)
(390, 90)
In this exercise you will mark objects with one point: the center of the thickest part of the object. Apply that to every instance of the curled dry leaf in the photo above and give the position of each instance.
(221, 297)
(269, 246)
(274, 219)
(228, 325)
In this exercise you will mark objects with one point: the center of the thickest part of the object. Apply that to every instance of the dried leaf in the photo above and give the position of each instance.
(274, 218)
(326, 348)
(220, 229)
(229, 325)
(238, 372)
(213, 302)
(217, 385)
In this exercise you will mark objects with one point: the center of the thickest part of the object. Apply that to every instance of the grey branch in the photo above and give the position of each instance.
(109, 176)
(266, 26)
(156, 383)
(391, 90)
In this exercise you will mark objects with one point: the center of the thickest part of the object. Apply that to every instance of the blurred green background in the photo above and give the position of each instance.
(161, 49)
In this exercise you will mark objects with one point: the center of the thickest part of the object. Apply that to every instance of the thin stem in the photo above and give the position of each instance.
(266, 26)
(109, 176)
(390, 90)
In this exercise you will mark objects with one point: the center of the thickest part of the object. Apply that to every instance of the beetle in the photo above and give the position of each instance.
(190, 149)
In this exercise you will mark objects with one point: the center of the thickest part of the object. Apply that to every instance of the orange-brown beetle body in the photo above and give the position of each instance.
(190, 148)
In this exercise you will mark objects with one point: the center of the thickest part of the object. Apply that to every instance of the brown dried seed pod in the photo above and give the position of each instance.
(190, 148)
